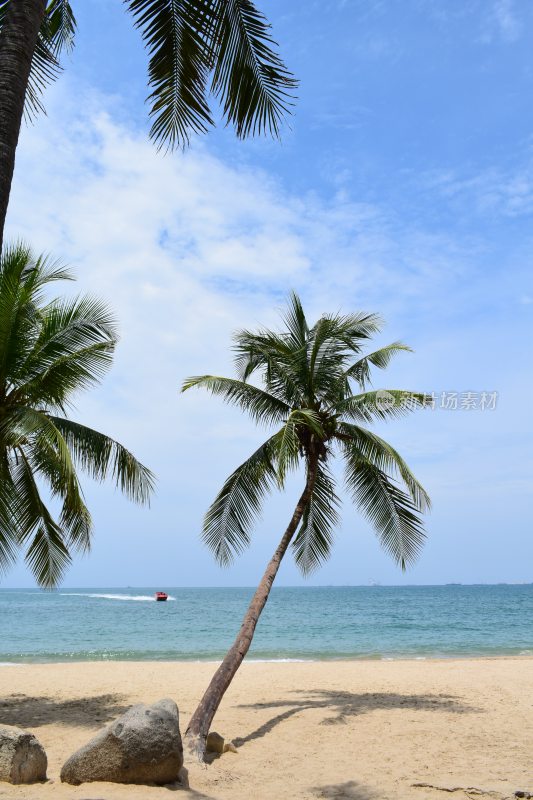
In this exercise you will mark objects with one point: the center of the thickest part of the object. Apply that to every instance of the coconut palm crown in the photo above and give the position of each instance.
(314, 389)
(50, 349)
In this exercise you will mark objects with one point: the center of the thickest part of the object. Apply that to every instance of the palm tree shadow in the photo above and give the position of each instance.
(350, 790)
(347, 704)
(33, 712)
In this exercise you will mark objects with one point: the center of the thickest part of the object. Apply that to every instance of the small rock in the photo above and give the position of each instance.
(22, 757)
(216, 744)
(141, 746)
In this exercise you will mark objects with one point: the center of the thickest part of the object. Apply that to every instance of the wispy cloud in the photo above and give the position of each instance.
(496, 191)
(502, 22)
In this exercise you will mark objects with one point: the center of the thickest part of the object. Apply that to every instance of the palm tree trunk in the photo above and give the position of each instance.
(196, 734)
(18, 38)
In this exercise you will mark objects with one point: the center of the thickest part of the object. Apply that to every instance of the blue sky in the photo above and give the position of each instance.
(403, 185)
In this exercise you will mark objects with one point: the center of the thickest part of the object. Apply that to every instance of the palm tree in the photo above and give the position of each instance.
(196, 47)
(49, 350)
(308, 375)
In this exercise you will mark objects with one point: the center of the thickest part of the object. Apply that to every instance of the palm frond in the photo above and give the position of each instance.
(314, 539)
(61, 26)
(175, 33)
(332, 342)
(288, 453)
(45, 68)
(390, 510)
(290, 440)
(75, 520)
(257, 350)
(382, 404)
(23, 280)
(23, 424)
(281, 359)
(102, 457)
(73, 350)
(55, 36)
(227, 523)
(360, 371)
(262, 406)
(47, 555)
(9, 542)
(249, 77)
(296, 323)
(383, 456)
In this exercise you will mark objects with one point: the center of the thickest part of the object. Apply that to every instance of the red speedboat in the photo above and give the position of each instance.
(161, 596)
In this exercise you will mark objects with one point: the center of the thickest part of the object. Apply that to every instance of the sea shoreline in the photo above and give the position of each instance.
(333, 660)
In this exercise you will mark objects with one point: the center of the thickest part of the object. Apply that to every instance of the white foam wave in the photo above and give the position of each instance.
(139, 598)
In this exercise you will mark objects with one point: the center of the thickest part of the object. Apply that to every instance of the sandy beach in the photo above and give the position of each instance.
(357, 730)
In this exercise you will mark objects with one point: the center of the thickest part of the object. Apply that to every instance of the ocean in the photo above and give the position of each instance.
(309, 623)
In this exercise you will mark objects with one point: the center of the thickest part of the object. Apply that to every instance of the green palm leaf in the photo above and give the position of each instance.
(360, 371)
(9, 543)
(73, 351)
(383, 456)
(391, 511)
(102, 457)
(47, 555)
(333, 341)
(176, 34)
(382, 404)
(228, 519)
(280, 359)
(262, 406)
(55, 36)
(75, 519)
(249, 76)
(313, 542)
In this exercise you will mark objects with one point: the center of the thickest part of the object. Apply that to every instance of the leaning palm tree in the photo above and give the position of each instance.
(196, 47)
(49, 351)
(308, 376)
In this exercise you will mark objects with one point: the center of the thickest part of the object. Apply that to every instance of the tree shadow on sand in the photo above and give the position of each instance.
(350, 790)
(86, 712)
(340, 706)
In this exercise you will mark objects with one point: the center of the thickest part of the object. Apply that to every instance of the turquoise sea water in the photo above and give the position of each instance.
(297, 623)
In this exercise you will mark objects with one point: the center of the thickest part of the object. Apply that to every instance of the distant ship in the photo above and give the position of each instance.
(161, 596)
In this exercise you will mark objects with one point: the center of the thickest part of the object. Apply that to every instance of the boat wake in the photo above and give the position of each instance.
(138, 598)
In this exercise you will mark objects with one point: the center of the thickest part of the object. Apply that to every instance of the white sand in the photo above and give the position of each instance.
(357, 730)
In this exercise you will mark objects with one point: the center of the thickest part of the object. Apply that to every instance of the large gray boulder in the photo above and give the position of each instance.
(142, 746)
(22, 757)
